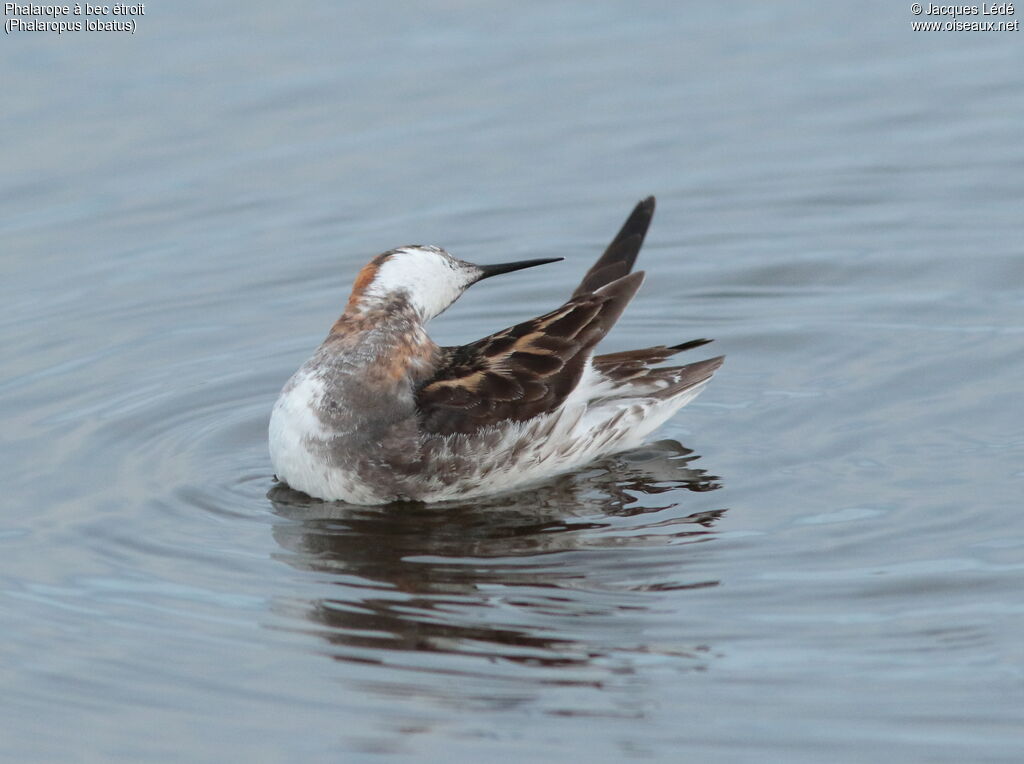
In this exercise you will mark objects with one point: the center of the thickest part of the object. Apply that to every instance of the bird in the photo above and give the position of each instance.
(382, 414)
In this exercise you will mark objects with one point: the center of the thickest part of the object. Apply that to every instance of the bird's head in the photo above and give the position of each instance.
(427, 278)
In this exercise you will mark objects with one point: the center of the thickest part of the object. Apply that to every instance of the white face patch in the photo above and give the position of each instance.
(431, 278)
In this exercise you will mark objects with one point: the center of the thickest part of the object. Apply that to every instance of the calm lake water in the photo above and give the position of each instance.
(821, 560)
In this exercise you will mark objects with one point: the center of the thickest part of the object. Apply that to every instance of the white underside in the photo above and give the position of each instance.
(582, 434)
(294, 426)
(590, 424)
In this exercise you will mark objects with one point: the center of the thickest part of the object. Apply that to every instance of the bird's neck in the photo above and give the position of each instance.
(384, 342)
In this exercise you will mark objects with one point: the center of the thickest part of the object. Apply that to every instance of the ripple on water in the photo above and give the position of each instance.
(557, 579)
(560, 581)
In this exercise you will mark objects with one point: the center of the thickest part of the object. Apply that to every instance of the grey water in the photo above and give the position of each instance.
(820, 559)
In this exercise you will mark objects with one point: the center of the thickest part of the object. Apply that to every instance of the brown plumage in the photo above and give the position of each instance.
(380, 413)
(522, 371)
(618, 258)
(532, 367)
(637, 365)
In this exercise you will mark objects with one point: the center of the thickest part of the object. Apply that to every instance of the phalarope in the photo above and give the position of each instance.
(381, 413)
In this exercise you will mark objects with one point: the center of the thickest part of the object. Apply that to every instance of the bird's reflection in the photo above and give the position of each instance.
(511, 577)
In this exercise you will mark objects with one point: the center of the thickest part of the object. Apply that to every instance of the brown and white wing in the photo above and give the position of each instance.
(635, 372)
(524, 371)
(637, 365)
(531, 368)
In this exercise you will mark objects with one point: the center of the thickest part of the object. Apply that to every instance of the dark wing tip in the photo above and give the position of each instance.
(689, 345)
(636, 224)
(694, 374)
(617, 260)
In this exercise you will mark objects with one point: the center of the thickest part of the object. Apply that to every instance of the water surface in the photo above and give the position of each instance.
(819, 560)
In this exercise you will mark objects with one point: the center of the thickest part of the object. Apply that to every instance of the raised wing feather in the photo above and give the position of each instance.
(631, 365)
(618, 258)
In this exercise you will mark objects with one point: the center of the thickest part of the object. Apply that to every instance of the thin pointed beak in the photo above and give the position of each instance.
(486, 271)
